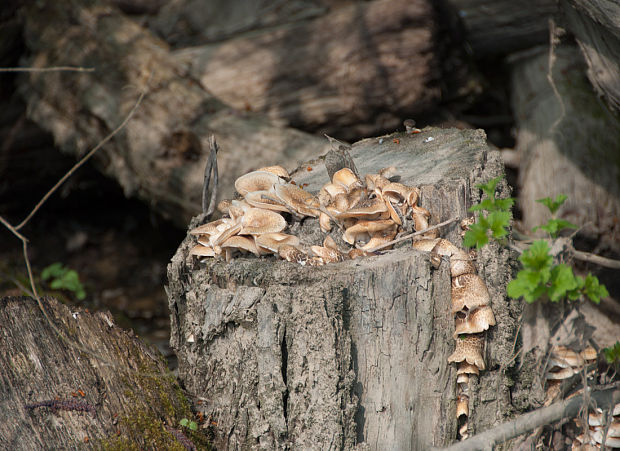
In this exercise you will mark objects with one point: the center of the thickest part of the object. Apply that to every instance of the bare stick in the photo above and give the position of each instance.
(47, 69)
(596, 259)
(411, 235)
(208, 204)
(84, 159)
(568, 408)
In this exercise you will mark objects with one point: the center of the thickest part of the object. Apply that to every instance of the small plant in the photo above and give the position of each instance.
(554, 225)
(612, 354)
(495, 222)
(191, 425)
(63, 278)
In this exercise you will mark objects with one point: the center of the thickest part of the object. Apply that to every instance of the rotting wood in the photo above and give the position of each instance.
(154, 157)
(54, 396)
(347, 353)
(354, 71)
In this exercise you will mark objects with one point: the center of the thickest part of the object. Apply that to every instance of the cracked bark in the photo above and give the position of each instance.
(352, 354)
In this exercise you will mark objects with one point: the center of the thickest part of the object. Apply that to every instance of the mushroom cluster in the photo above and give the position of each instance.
(370, 214)
(602, 425)
(472, 317)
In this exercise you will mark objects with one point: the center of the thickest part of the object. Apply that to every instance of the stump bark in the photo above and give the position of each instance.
(351, 354)
(119, 396)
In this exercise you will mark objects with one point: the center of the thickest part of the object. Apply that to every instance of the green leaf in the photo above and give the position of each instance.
(193, 425)
(594, 290)
(554, 226)
(53, 270)
(529, 284)
(536, 257)
(476, 236)
(612, 354)
(576, 293)
(498, 221)
(488, 188)
(562, 280)
(184, 422)
(485, 204)
(504, 204)
(553, 205)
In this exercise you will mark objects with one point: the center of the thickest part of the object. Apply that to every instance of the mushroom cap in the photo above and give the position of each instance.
(256, 181)
(297, 199)
(232, 229)
(202, 251)
(326, 254)
(325, 222)
(463, 378)
(330, 243)
(469, 290)
(209, 228)
(612, 441)
(563, 357)
(399, 193)
(277, 170)
(291, 254)
(379, 238)
(257, 221)
(347, 178)
(356, 253)
(366, 228)
(369, 209)
(273, 241)
(264, 199)
(589, 354)
(469, 349)
(242, 243)
(473, 322)
(333, 189)
(462, 405)
(467, 368)
(388, 172)
(394, 216)
(223, 205)
(460, 264)
(376, 182)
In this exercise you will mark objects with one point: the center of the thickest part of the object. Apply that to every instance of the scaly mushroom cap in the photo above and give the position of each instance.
(470, 291)
(242, 243)
(461, 264)
(264, 199)
(273, 241)
(237, 208)
(257, 221)
(291, 254)
(298, 200)
(223, 205)
(277, 170)
(347, 178)
(256, 181)
(469, 349)
(202, 251)
(364, 229)
(473, 322)
(379, 239)
(326, 254)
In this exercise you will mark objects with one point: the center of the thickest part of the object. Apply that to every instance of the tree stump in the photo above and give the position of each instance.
(348, 354)
(54, 395)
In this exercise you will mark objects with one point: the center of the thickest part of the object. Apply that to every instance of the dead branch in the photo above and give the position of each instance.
(568, 408)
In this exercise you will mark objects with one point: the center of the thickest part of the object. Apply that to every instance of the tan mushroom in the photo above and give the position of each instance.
(230, 230)
(558, 374)
(347, 178)
(376, 182)
(469, 290)
(325, 222)
(379, 239)
(240, 243)
(563, 357)
(330, 243)
(209, 228)
(463, 378)
(257, 221)
(266, 200)
(364, 229)
(589, 354)
(277, 170)
(462, 406)
(474, 321)
(399, 193)
(202, 251)
(272, 242)
(357, 253)
(256, 181)
(298, 200)
(329, 191)
(469, 349)
(460, 264)
(610, 440)
(326, 254)
(467, 368)
(223, 205)
(370, 209)
(292, 254)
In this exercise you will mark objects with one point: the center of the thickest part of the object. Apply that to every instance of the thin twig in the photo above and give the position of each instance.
(48, 69)
(411, 235)
(569, 408)
(84, 159)
(593, 258)
(208, 204)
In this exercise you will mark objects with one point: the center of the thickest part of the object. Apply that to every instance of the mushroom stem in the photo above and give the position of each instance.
(411, 235)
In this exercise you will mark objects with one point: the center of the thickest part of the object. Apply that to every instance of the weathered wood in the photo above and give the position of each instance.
(123, 395)
(568, 144)
(596, 26)
(496, 28)
(352, 353)
(355, 71)
(81, 108)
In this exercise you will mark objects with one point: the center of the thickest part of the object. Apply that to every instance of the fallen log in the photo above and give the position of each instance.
(351, 353)
(161, 153)
(94, 385)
